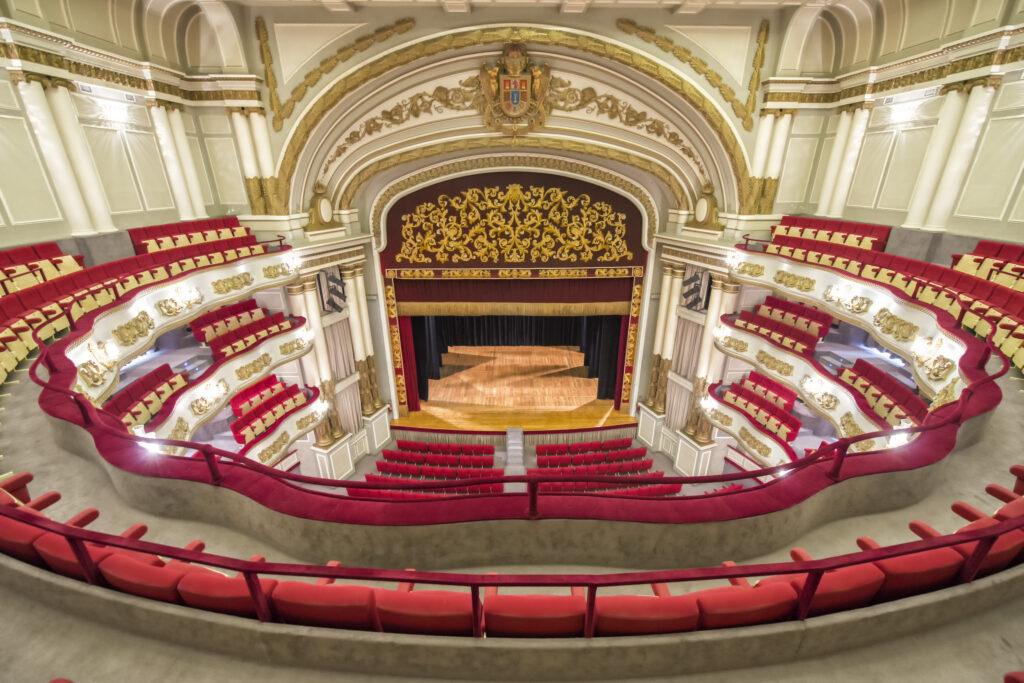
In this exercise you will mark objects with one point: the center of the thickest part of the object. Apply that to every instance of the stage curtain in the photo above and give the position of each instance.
(598, 337)
(350, 410)
(687, 347)
(339, 347)
(409, 362)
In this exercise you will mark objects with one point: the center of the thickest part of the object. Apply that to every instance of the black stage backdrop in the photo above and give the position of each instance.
(597, 336)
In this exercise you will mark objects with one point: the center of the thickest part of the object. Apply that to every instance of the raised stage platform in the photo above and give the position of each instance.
(492, 388)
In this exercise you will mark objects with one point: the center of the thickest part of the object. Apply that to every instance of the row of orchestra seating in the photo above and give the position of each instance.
(25, 267)
(187, 233)
(225, 319)
(451, 448)
(264, 415)
(786, 335)
(404, 469)
(451, 612)
(139, 402)
(596, 469)
(646, 491)
(775, 420)
(997, 261)
(776, 392)
(443, 459)
(238, 340)
(405, 494)
(805, 318)
(944, 288)
(848, 233)
(591, 458)
(440, 475)
(583, 447)
(888, 397)
(248, 398)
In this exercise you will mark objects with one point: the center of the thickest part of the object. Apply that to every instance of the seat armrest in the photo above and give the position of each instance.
(968, 512)
(924, 530)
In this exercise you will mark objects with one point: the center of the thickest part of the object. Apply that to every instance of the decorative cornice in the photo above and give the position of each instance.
(391, 191)
(743, 110)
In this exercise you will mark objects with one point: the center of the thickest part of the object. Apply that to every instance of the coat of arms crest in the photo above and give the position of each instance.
(515, 91)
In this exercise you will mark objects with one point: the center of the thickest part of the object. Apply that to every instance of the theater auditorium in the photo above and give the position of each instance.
(511, 340)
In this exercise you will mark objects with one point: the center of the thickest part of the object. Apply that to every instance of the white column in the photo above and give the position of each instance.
(261, 140)
(323, 356)
(761, 144)
(243, 139)
(297, 307)
(777, 150)
(77, 148)
(172, 162)
(728, 304)
(828, 182)
(707, 338)
(935, 157)
(355, 319)
(56, 158)
(962, 151)
(188, 163)
(364, 311)
(844, 179)
(668, 342)
(659, 330)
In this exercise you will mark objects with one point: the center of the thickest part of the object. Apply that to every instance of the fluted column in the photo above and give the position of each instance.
(962, 151)
(355, 327)
(668, 340)
(716, 362)
(58, 94)
(55, 157)
(659, 334)
(371, 362)
(188, 163)
(761, 144)
(844, 179)
(172, 162)
(310, 370)
(935, 155)
(828, 181)
(265, 162)
(707, 344)
(247, 155)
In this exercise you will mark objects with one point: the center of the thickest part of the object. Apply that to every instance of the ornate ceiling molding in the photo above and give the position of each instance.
(463, 166)
(592, 45)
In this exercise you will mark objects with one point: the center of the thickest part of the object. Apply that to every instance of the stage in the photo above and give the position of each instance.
(492, 388)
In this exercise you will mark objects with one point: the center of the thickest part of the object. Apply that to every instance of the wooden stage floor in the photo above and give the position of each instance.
(495, 387)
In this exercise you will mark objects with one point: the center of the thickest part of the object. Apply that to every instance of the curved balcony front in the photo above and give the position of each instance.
(271, 447)
(757, 443)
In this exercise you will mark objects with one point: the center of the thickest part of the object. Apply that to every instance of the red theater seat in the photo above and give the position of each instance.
(844, 588)
(335, 605)
(218, 593)
(915, 573)
(448, 613)
(743, 606)
(624, 615)
(534, 616)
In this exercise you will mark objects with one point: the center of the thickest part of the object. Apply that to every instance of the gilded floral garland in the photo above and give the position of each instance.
(850, 429)
(270, 451)
(748, 438)
(513, 225)
(900, 329)
(799, 282)
(254, 368)
(774, 364)
(134, 330)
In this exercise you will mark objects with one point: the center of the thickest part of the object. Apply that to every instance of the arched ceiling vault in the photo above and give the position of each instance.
(679, 112)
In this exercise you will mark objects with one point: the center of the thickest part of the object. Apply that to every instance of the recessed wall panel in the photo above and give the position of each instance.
(874, 154)
(898, 187)
(111, 158)
(996, 168)
(24, 187)
(227, 175)
(149, 167)
(797, 170)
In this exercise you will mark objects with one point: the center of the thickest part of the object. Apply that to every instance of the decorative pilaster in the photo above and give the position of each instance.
(659, 335)
(333, 421)
(828, 182)
(172, 162)
(188, 163)
(265, 162)
(939, 145)
(762, 142)
(668, 340)
(693, 415)
(247, 155)
(848, 161)
(364, 311)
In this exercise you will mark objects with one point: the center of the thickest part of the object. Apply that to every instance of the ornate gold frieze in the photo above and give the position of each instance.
(825, 400)
(853, 304)
(134, 330)
(938, 368)
(850, 428)
(213, 394)
(253, 368)
(290, 347)
(230, 284)
(92, 373)
(720, 417)
(743, 110)
(633, 190)
(265, 455)
(752, 442)
(898, 328)
(515, 273)
(513, 225)
(640, 63)
(946, 395)
(798, 282)
(308, 421)
(276, 270)
(178, 433)
(561, 272)
(750, 269)
(411, 273)
(282, 110)
(183, 300)
(735, 344)
(98, 349)
(466, 274)
(614, 272)
(774, 364)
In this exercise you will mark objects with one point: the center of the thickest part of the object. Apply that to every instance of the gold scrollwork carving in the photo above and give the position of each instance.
(853, 304)
(900, 329)
(635, 301)
(938, 368)
(134, 330)
(308, 420)
(515, 273)
(750, 269)
(202, 404)
(946, 395)
(749, 439)
(230, 284)
(743, 110)
(561, 272)
(93, 373)
(276, 270)
(412, 273)
(825, 400)
(850, 428)
(799, 282)
(253, 368)
(290, 347)
(735, 344)
(183, 300)
(513, 225)
(774, 364)
(720, 417)
(466, 274)
(613, 272)
(274, 448)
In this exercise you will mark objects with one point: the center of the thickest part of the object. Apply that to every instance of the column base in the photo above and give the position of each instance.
(335, 461)
(649, 427)
(378, 428)
(693, 459)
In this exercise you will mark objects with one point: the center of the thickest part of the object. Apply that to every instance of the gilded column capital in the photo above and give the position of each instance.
(48, 81)
(294, 289)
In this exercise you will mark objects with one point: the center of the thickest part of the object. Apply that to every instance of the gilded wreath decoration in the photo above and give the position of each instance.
(514, 225)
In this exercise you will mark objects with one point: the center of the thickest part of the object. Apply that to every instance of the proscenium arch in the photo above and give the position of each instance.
(553, 166)
(559, 37)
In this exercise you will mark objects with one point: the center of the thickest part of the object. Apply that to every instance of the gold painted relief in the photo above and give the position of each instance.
(253, 368)
(134, 330)
(774, 364)
(514, 225)
(900, 329)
